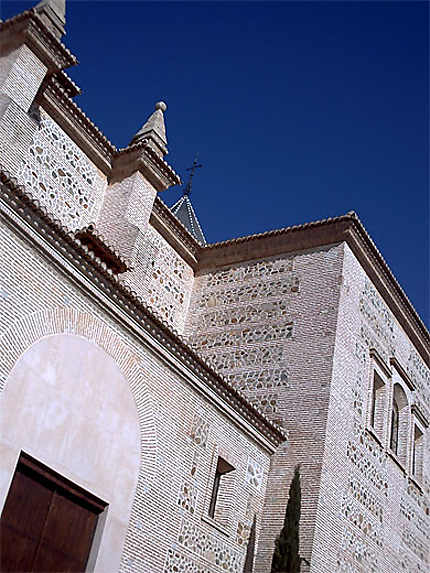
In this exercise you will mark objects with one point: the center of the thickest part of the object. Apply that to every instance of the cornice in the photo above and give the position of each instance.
(52, 233)
(402, 372)
(345, 228)
(175, 233)
(140, 156)
(380, 362)
(69, 86)
(96, 242)
(379, 272)
(272, 243)
(55, 98)
(29, 28)
(418, 412)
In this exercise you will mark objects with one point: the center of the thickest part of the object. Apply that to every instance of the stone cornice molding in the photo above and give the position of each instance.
(28, 28)
(272, 243)
(402, 372)
(346, 228)
(419, 413)
(380, 362)
(55, 98)
(141, 157)
(379, 272)
(175, 233)
(96, 242)
(69, 86)
(52, 234)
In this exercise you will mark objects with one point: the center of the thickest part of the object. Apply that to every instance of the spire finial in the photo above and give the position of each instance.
(161, 106)
(154, 130)
(192, 170)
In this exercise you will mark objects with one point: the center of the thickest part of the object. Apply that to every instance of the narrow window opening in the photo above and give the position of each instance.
(417, 453)
(400, 424)
(220, 490)
(377, 404)
(394, 440)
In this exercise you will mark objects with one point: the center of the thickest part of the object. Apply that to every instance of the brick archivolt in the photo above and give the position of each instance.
(23, 333)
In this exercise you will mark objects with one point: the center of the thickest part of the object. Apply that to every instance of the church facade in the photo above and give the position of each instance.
(158, 392)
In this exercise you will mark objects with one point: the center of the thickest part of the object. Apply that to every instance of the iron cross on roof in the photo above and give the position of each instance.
(192, 170)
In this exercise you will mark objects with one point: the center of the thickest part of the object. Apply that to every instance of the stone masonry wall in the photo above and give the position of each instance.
(161, 278)
(64, 180)
(61, 176)
(21, 74)
(52, 167)
(373, 513)
(269, 327)
(182, 432)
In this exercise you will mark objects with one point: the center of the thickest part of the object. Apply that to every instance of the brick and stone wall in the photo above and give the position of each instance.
(373, 512)
(182, 433)
(162, 278)
(21, 74)
(303, 336)
(60, 176)
(269, 327)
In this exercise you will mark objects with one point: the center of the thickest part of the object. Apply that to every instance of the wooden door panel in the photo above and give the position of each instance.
(67, 535)
(47, 524)
(51, 560)
(16, 551)
(23, 517)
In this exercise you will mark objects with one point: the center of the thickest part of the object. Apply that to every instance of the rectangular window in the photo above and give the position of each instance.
(222, 491)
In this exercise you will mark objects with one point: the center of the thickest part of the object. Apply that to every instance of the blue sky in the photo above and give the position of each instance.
(298, 110)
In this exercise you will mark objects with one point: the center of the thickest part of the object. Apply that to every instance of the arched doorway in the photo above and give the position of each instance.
(67, 405)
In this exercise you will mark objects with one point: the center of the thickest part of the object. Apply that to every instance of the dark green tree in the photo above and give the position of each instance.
(286, 558)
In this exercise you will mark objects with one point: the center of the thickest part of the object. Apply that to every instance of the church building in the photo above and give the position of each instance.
(158, 393)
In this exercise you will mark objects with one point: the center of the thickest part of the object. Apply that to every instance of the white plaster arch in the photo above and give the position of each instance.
(81, 379)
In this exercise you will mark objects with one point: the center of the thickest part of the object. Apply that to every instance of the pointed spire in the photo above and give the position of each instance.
(53, 14)
(154, 130)
(184, 211)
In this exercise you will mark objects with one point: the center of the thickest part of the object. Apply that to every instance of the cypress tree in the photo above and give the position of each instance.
(286, 558)
(250, 550)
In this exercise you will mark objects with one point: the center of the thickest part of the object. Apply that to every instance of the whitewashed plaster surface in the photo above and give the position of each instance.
(67, 404)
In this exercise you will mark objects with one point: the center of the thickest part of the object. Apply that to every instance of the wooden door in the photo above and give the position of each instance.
(47, 523)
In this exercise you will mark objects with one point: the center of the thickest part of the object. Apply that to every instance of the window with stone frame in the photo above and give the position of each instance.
(377, 404)
(417, 452)
(399, 424)
(222, 494)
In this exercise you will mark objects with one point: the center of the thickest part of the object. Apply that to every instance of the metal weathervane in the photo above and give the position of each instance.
(192, 170)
